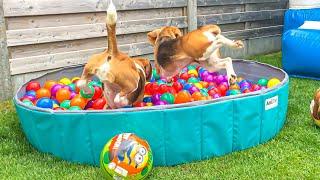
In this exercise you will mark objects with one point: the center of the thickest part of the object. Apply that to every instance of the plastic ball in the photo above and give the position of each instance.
(44, 103)
(255, 87)
(193, 89)
(177, 86)
(163, 88)
(239, 79)
(232, 92)
(197, 96)
(33, 86)
(160, 103)
(55, 105)
(215, 96)
(43, 92)
(167, 97)
(63, 94)
(208, 78)
(72, 87)
(185, 76)
(193, 80)
(95, 83)
(234, 86)
(156, 98)
(273, 82)
(89, 104)
(263, 82)
(55, 89)
(99, 103)
(204, 92)
(73, 94)
(98, 92)
(28, 102)
(161, 81)
(147, 99)
(31, 93)
(75, 79)
(149, 104)
(78, 101)
(246, 91)
(31, 98)
(88, 95)
(155, 75)
(182, 81)
(192, 67)
(139, 104)
(48, 84)
(193, 72)
(129, 153)
(75, 108)
(59, 109)
(182, 97)
(65, 81)
(198, 85)
(65, 104)
(204, 84)
(223, 88)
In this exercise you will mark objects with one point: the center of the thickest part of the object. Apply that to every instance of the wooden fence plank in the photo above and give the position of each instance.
(238, 17)
(65, 33)
(192, 15)
(266, 6)
(5, 78)
(41, 7)
(28, 22)
(53, 61)
(233, 8)
(255, 32)
(227, 2)
(264, 23)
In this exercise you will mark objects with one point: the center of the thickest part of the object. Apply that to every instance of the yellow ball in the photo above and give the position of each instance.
(65, 81)
(273, 82)
(149, 104)
(55, 106)
(75, 79)
(194, 72)
(198, 85)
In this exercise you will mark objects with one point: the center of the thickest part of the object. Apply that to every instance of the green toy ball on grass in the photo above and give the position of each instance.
(126, 156)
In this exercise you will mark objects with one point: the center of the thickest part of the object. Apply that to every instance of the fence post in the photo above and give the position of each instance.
(192, 15)
(5, 77)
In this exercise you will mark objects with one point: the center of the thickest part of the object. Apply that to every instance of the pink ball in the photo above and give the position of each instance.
(193, 89)
(209, 78)
(159, 103)
(215, 96)
(204, 74)
(219, 79)
(225, 84)
(31, 98)
(73, 94)
(55, 88)
(89, 104)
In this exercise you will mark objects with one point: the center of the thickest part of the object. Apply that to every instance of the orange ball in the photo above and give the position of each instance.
(78, 101)
(43, 92)
(204, 84)
(197, 96)
(48, 84)
(182, 97)
(63, 94)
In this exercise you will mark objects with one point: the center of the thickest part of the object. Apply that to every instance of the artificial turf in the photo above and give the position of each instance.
(293, 154)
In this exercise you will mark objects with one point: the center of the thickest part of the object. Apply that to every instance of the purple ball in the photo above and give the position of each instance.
(209, 78)
(263, 88)
(67, 87)
(156, 98)
(193, 89)
(219, 79)
(225, 78)
(225, 83)
(245, 84)
(215, 96)
(55, 88)
(73, 94)
(32, 98)
(159, 103)
(89, 104)
(214, 73)
(204, 74)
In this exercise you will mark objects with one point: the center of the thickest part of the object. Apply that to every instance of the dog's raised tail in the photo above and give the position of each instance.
(111, 28)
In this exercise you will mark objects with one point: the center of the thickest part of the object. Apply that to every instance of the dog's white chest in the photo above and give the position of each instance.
(211, 38)
(103, 71)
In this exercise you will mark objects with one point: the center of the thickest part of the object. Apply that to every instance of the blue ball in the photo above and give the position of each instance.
(45, 103)
(147, 99)
(55, 101)
(187, 86)
(152, 79)
(182, 81)
(201, 70)
(159, 82)
(31, 93)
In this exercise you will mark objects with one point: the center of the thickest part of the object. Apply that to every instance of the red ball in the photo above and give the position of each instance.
(33, 86)
(172, 90)
(246, 91)
(154, 88)
(212, 92)
(147, 89)
(185, 76)
(177, 86)
(212, 84)
(175, 78)
(139, 104)
(223, 88)
(163, 89)
(97, 92)
(99, 103)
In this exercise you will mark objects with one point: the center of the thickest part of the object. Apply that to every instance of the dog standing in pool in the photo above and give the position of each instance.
(123, 77)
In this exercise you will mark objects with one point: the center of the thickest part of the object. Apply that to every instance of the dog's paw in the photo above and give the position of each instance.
(239, 44)
(233, 79)
(121, 101)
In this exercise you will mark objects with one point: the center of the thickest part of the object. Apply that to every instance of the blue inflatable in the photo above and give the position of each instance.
(176, 133)
(301, 47)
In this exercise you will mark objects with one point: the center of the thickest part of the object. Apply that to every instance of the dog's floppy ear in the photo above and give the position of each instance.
(177, 32)
(153, 35)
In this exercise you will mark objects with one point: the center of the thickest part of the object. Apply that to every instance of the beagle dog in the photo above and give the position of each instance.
(123, 77)
(315, 105)
(173, 51)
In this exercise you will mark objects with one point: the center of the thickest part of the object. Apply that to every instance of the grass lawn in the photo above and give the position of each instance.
(294, 153)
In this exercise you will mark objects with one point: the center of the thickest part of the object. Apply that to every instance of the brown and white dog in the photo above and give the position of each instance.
(315, 106)
(173, 51)
(123, 77)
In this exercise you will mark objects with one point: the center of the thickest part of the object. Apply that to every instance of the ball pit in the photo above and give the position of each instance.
(212, 121)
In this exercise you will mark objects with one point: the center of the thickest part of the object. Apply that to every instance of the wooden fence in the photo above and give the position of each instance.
(38, 36)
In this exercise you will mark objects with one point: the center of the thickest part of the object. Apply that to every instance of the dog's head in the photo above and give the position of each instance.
(169, 32)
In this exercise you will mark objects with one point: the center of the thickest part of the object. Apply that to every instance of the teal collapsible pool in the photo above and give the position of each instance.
(176, 133)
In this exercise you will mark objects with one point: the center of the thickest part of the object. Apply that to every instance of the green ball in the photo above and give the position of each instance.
(87, 96)
(75, 108)
(235, 92)
(65, 104)
(190, 67)
(263, 82)
(28, 102)
(95, 83)
(72, 86)
(204, 92)
(168, 97)
(193, 80)
(155, 75)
